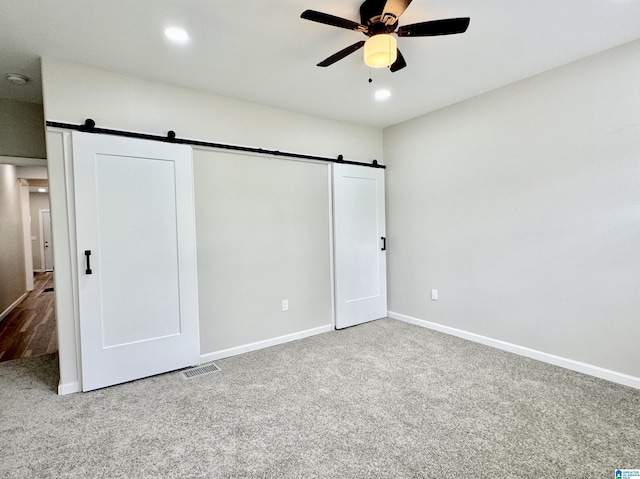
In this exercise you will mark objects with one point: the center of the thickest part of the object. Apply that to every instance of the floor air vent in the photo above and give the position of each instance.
(199, 371)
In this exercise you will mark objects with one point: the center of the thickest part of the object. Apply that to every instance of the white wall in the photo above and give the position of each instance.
(263, 233)
(12, 270)
(21, 129)
(74, 92)
(522, 207)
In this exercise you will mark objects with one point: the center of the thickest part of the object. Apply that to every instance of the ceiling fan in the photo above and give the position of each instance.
(379, 19)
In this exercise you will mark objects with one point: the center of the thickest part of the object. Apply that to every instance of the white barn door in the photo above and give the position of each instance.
(136, 258)
(359, 244)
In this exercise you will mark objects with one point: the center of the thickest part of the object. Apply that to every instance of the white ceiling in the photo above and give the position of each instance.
(263, 52)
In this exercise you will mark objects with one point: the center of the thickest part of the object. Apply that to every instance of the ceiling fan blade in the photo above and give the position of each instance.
(341, 54)
(448, 26)
(399, 64)
(332, 20)
(393, 9)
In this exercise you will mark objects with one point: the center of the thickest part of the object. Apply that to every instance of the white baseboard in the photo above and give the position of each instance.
(68, 388)
(74, 387)
(6, 312)
(225, 353)
(578, 366)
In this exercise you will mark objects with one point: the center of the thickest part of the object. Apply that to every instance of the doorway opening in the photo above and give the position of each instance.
(27, 315)
(30, 328)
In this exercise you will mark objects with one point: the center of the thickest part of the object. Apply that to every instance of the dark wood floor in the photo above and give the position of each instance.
(30, 329)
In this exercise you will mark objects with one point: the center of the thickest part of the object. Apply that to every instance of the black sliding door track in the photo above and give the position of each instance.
(89, 126)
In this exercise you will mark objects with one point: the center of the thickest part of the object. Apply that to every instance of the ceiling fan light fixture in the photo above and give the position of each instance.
(380, 51)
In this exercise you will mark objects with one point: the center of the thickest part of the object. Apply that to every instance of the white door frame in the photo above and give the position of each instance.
(61, 191)
(25, 203)
(332, 257)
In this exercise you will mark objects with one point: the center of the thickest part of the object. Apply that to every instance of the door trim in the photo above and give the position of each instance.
(25, 212)
(332, 256)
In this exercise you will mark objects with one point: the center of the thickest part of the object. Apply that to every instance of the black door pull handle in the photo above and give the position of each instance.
(384, 243)
(87, 254)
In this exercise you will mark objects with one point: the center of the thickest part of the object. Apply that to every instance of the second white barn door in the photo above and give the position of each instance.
(359, 244)
(136, 258)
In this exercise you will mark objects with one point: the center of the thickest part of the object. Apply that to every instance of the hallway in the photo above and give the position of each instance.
(30, 329)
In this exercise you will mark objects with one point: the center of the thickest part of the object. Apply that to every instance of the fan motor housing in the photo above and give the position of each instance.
(371, 17)
(370, 9)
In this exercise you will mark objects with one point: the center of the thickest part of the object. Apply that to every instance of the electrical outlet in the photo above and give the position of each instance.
(434, 294)
(285, 305)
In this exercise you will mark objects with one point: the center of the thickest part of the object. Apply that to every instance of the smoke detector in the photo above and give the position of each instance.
(17, 78)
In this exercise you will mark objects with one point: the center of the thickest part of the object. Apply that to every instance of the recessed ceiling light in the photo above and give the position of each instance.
(42, 190)
(177, 35)
(382, 94)
(17, 78)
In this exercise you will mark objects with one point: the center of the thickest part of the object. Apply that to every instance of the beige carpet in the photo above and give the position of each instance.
(381, 400)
